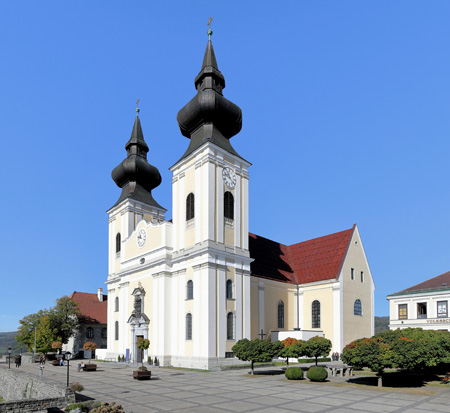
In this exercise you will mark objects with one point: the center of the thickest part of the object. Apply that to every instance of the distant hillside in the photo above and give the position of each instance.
(381, 324)
(8, 340)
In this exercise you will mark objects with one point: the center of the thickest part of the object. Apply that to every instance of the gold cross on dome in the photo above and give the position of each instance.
(209, 22)
(137, 102)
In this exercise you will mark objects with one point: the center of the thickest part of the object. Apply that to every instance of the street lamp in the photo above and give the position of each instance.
(9, 357)
(67, 371)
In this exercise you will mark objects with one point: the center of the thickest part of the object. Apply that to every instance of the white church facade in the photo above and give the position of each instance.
(198, 283)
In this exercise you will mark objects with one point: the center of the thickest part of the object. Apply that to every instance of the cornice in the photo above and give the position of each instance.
(210, 247)
(134, 206)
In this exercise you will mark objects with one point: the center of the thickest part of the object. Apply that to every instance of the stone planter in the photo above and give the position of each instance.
(90, 367)
(142, 375)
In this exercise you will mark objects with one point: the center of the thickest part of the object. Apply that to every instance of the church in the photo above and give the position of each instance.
(200, 282)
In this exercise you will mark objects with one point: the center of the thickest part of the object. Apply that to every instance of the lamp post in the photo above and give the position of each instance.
(67, 371)
(9, 357)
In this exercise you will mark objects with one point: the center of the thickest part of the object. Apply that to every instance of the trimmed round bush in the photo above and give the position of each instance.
(294, 373)
(317, 374)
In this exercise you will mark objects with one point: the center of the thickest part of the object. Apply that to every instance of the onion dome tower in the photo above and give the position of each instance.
(209, 116)
(134, 174)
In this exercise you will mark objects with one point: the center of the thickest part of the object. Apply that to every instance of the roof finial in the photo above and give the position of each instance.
(137, 108)
(210, 32)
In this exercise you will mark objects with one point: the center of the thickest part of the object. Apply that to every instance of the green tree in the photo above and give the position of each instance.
(293, 348)
(65, 317)
(143, 344)
(25, 336)
(410, 348)
(45, 335)
(317, 347)
(256, 350)
(417, 348)
(90, 346)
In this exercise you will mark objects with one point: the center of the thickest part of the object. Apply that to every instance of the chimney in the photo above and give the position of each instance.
(100, 294)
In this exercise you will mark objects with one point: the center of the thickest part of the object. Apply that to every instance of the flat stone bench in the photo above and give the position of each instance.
(340, 370)
(90, 367)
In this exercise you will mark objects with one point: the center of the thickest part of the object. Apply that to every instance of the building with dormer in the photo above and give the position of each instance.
(198, 283)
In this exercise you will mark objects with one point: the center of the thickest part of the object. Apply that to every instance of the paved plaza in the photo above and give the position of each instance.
(172, 390)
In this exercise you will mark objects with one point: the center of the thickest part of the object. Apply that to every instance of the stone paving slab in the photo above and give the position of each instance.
(304, 406)
(233, 391)
(435, 407)
(374, 407)
(417, 411)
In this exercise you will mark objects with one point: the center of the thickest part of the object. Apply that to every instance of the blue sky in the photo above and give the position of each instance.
(345, 120)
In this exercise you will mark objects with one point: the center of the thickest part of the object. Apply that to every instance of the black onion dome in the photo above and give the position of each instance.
(209, 116)
(134, 174)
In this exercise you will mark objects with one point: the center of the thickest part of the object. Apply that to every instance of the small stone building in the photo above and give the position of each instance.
(93, 322)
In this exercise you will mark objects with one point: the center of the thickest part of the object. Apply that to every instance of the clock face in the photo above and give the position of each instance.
(142, 236)
(229, 177)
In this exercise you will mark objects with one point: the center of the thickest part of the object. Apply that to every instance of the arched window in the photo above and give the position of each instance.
(280, 314)
(189, 290)
(116, 330)
(228, 205)
(357, 307)
(118, 242)
(230, 326)
(315, 313)
(104, 332)
(116, 304)
(190, 209)
(188, 326)
(89, 332)
(229, 289)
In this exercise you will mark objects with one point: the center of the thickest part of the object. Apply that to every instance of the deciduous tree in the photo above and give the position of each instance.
(293, 348)
(317, 347)
(45, 335)
(64, 317)
(26, 332)
(143, 344)
(410, 348)
(90, 346)
(256, 350)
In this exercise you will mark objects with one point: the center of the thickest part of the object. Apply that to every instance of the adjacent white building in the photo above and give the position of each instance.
(424, 305)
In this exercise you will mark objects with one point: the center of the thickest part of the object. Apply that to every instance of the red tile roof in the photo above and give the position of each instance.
(441, 282)
(314, 260)
(92, 310)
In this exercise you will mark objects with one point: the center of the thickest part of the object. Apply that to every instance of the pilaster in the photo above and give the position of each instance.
(261, 305)
(221, 307)
(239, 292)
(246, 329)
(208, 311)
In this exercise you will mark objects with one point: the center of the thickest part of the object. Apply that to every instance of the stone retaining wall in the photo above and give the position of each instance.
(33, 405)
(24, 393)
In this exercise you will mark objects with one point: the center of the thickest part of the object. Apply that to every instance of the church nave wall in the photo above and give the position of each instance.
(323, 293)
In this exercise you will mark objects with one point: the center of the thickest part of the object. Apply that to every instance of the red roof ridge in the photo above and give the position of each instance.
(308, 261)
(93, 311)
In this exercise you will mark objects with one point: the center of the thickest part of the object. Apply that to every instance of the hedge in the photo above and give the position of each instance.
(314, 360)
(294, 373)
(317, 373)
